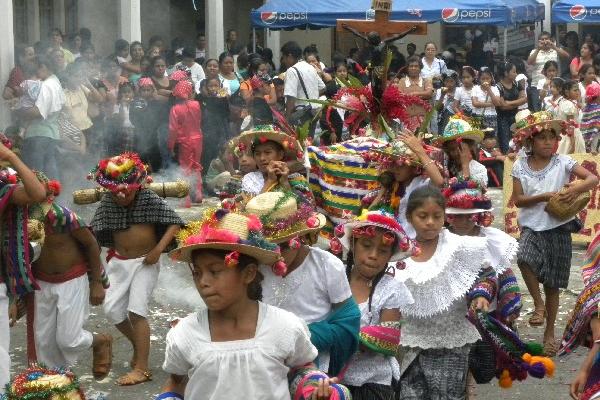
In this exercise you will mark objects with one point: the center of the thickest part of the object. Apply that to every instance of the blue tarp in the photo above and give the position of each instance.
(290, 14)
(576, 11)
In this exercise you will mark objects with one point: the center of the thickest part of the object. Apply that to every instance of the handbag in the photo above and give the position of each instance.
(562, 211)
(302, 113)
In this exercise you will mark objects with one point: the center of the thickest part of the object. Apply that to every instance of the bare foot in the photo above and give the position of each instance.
(134, 377)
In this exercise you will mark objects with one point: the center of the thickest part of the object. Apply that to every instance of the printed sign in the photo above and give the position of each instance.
(589, 216)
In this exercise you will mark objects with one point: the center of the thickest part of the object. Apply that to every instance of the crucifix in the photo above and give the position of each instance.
(378, 33)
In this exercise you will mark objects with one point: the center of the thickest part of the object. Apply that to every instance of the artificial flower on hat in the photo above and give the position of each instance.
(532, 124)
(222, 229)
(125, 172)
(247, 140)
(467, 196)
(40, 383)
(285, 216)
(459, 128)
(365, 224)
(592, 92)
(396, 153)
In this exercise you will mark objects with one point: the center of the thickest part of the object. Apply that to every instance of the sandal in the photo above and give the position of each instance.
(102, 362)
(538, 318)
(550, 347)
(134, 377)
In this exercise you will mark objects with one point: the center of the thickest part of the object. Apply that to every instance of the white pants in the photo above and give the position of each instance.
(131, 285)
(4, 339)
(61, 310)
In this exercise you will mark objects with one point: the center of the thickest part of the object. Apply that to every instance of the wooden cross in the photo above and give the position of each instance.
(388, 30)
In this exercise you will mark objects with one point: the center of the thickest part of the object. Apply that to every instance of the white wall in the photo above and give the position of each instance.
(323, 38)
(102, 18)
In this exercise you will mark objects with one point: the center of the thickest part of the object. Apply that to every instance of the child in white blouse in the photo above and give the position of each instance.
(237, 347)
(373, 240)
(463, 95)
(545, 244)
(444, 281)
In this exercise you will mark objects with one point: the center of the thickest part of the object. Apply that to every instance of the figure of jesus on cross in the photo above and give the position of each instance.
(378, 33)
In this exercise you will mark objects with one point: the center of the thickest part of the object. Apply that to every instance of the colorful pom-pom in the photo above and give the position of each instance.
(505, 380)
(279, 268)
(232, 259)
(312, 222)
(339, 231)
(294, 243)
(534, 348)
(335, 246)
(254, 224)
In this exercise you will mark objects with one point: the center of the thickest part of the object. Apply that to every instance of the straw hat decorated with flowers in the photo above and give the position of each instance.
(248, 140)
(396, 153)
(38, 382)
(459, 127)
(122, 173)
(222, 229)
(466, 196)
(532, 124)
(285, 216)
(366, 224)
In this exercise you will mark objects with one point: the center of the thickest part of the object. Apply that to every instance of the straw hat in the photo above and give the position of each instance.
(396, 153)
(520, 116)
(378, 219)
(458, 128)
(466, 196)
(220, 229)
(528, 126)
(121, 173)
(284, 217)
(263, 133)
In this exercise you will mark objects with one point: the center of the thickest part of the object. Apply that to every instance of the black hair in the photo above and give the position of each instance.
(414, 59)
(490, 135)
(121, 44)
(267, 54)
(135, 43)
(486, 70)
(291, 49)
(583, 70)
(428, 43)
(86, 46)
(188, 52)
(254, 66)
(559, 83)
(46, 61)
(419, 196)
(376, 278)
(237, 101)
(452, 74)
(254, 291)
(154, 59)
(519, 64)
(243, 60)
(278, 146)
(545, 33)
(311, 49)
(124, 86)
(353, 51)
(568, 85)
(548, 65)
(200, 34)
(86, 34)
(209, 60)
(55, 30)
(414, 46)
(20, 52)
(504, 68)
(154, 39)
(470, 71)
(223, 56)
(278, 81)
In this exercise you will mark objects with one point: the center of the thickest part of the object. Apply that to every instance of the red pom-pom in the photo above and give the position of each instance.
(54, 187)
(312, 222)
(254, 224)
(279, 268)
(103, 164)
(294, 243)
(262, 139)
(339, 231)
(115, 174)
(12, 179)
(232, 259)
(335, 245)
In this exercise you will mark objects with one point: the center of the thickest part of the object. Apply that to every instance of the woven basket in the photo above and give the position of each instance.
(563, 211)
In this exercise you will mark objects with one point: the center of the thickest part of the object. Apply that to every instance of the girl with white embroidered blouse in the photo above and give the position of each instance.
(238, 347)
(443, 280)
(372, 241)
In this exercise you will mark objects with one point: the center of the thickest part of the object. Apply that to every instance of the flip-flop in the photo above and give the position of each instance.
(101, 369)
(134, 377)
(538, 318)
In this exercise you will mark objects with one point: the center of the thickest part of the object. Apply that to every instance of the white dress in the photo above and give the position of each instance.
(367, 366)
(242, 369)
(310, 290)
(437, 318)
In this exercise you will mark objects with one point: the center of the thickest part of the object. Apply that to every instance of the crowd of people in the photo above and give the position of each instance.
(301, 301)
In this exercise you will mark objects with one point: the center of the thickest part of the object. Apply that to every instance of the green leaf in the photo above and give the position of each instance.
(388, 131)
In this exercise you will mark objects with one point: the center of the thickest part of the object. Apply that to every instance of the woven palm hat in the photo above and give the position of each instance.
(466, 196)
(458, 128)
(377, 219)
(262, 134)
(530, 125)
(284, 216)
(220, 229)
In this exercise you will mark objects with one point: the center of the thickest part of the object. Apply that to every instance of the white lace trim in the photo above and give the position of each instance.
(447, 276)
(502, 247)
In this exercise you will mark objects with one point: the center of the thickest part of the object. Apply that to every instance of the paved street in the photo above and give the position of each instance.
(175, 297)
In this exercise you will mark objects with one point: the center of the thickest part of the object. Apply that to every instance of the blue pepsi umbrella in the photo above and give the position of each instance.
(578, 11)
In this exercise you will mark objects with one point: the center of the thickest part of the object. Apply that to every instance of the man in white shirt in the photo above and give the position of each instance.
(546, 51)
(187, 59)
(299, 70)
